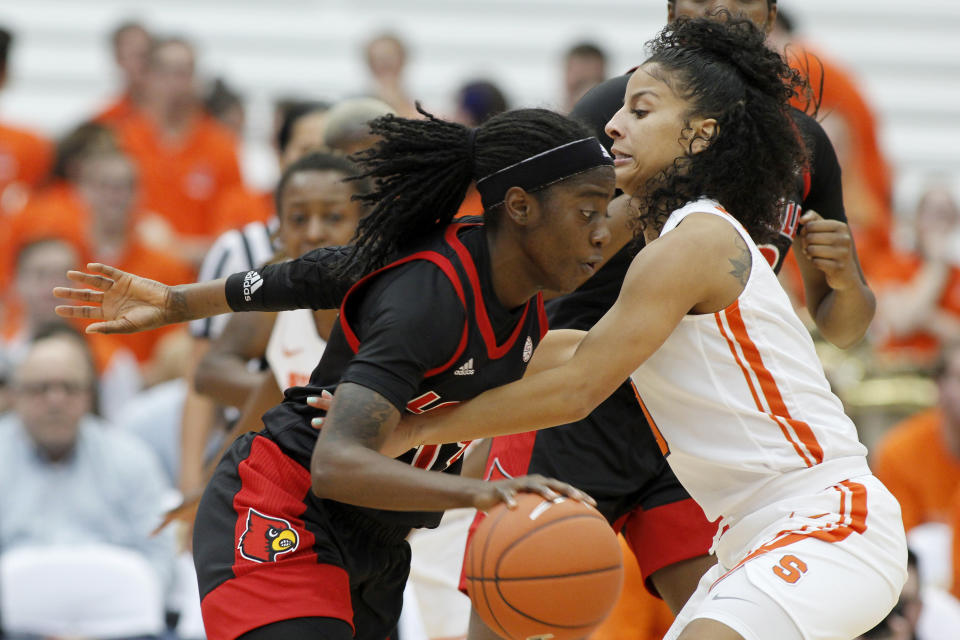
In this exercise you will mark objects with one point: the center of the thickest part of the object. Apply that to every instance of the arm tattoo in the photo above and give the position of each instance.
(741, 264)
(177, 305)
(363, 416)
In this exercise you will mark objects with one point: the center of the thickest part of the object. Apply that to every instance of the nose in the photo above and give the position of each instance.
(316, 230)
(612, 128)
(601, 235)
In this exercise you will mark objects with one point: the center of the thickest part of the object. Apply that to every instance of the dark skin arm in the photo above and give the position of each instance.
(346, 465)
(838, 298)
(222, 373)
(126, 303)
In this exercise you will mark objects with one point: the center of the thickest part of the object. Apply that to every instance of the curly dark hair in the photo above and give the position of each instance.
(725, 71)
(421, 169)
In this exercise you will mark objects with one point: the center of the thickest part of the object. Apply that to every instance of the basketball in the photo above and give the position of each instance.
(545, 570)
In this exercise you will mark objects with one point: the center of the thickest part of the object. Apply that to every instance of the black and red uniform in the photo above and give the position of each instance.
(425, 331)
(611, 454)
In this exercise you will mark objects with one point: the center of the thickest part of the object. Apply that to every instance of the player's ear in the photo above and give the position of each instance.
(703, 132)
(518, 205)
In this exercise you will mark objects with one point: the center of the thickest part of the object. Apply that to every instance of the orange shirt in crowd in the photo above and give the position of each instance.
(637, 615)
(60, 212)
(866, 174)
(238, 207)
(913, 462)
(24, 157)
(182, 180)
(117, 111)
(899, 269)
(49, 212)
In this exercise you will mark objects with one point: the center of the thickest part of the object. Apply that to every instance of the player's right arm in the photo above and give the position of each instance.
(125, 303)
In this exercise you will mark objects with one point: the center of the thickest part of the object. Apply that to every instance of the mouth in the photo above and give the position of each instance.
(620, 158)
(591, 266)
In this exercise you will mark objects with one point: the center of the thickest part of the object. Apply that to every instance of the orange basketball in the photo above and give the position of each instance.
(543, 570)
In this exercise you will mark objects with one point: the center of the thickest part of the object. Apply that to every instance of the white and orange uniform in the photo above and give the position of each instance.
(741, 407)
(294, 348)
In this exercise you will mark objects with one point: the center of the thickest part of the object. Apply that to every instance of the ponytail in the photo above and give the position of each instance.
(421, 170)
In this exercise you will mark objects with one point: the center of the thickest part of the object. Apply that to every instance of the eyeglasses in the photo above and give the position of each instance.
(44, 387)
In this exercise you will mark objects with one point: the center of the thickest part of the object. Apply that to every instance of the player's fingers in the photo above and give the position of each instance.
(826, 251)
(810, 216)
(508, 495)
(543, 489)
(90, 280)
(83, 295)
(105, 269)
(572, 492)
(826, 265)
(112, 326)
(71, 311)
(323, 401)
(838, 238)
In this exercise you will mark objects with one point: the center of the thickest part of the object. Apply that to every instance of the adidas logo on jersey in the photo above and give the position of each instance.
(466, 369)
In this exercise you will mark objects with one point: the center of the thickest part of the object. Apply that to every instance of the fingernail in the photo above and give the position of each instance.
(312, 399)
(316, 422)
(326, 394)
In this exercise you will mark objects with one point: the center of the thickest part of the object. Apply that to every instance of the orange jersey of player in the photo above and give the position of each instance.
(912, 460)
(182, 180)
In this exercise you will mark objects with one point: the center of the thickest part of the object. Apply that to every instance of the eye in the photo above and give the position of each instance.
(334, 218)
(639, 113)
(589, 214)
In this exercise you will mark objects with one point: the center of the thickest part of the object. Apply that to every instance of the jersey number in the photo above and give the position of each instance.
(427, 454)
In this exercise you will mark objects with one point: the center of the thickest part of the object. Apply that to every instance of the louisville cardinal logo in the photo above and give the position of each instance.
(265, 537)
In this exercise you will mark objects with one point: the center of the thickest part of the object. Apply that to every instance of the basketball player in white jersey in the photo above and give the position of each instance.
(810, 544)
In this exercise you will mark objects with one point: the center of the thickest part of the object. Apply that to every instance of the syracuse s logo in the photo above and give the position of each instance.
(265, 538)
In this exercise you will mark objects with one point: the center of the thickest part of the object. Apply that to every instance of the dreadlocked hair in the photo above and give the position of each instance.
(421, 169)
(726, 72)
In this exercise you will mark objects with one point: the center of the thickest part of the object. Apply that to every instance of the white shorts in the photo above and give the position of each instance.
(833, 564)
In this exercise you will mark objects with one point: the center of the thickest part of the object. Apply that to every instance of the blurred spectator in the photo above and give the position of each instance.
(226, 106)
(348, 124)
(131, 43)
(186, 160)
(78, 481)
(25, 157)
(918, 295)
(848, 119)
(95, 212)
(477, 101)
(41, 266)
(919, 459)
(242, 248)
(301, 129)
(386, 57)
(585, 66)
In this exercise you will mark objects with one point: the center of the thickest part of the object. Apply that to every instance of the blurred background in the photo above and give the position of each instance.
(150, 135)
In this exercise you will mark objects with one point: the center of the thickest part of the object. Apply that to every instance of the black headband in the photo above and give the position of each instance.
(543, 169)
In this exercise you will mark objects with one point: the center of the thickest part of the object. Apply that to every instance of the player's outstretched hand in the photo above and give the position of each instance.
(121, 301)
(493, 493)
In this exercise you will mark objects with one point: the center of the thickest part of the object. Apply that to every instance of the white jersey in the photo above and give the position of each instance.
(739, 402)
(294, 348)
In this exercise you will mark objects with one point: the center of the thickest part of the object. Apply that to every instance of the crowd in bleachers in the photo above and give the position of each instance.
(101, 435)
